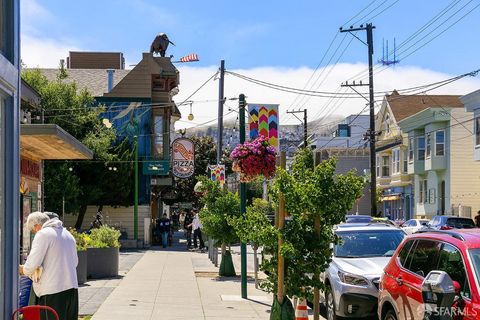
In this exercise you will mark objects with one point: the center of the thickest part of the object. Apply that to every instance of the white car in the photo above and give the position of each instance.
(357, 264)
(414, 225)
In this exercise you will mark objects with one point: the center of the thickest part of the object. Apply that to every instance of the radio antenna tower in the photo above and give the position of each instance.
(385, 61)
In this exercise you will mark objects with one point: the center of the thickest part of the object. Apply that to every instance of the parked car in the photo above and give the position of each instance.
(449, 222)
(456, 252)
(383, 220)
(358, 218)
(357, 264)
(414, 225)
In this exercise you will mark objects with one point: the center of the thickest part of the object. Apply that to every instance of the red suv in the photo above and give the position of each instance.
(457, 252)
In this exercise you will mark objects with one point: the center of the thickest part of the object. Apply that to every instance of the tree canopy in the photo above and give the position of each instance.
(88, 182)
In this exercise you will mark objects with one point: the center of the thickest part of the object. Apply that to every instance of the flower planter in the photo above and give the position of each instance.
(253, 159)
(102, 262)
(82, 267)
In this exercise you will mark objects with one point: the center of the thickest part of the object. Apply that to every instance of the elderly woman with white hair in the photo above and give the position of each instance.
(52, 264)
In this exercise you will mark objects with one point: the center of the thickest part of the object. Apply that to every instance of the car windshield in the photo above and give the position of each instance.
(475, 256)
(368, 243)
(460, 223)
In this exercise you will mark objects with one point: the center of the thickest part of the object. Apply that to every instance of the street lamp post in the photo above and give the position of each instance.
(243, 199)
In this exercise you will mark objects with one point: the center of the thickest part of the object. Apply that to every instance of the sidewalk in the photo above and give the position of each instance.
(175, 284)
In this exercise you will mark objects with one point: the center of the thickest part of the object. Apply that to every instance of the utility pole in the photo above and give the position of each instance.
(305, 132)
(221, 100)
(135, 203)
(243, 197)
(371, 134)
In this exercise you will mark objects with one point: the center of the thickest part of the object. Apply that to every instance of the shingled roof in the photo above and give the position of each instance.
(403, 106)
(94, 80)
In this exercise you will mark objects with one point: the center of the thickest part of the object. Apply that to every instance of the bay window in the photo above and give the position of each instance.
(440, 143)
(385, 166)
(405, 161)
(396, 161)
(421, 148)
(411, 149)
(428, 138)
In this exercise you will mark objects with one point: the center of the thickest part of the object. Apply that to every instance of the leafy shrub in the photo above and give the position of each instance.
(82, 239)
(104, 237)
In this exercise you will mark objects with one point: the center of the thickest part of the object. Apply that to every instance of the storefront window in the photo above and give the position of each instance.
(6, 26)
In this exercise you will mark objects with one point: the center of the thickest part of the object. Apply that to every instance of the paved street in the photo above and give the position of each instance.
(165, 284)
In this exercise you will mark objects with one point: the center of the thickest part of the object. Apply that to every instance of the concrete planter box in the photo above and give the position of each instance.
(102, 262)
(82, 267)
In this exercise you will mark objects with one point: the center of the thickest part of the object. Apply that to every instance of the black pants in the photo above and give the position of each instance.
(189, 238)
(198, 234)
(65, 303)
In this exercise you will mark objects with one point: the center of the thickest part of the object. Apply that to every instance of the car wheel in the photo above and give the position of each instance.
(390, 315)
(330, 305)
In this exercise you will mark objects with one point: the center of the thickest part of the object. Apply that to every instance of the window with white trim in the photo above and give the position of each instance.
(396, 161)
(425, 191)
(428, 138)
(378, 166)
(440, 143)
(385, 166)
(411, 149)
(405, 161)
(421, 148)
(420, 191)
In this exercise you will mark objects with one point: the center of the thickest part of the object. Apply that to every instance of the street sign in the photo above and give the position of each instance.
(183, 156)
(161, 181)
(156, 167)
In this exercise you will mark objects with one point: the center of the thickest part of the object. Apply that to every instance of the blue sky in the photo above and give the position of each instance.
(258, 33)
(276, 41)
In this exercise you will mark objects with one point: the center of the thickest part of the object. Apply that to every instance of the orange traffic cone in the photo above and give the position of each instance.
(301, 312)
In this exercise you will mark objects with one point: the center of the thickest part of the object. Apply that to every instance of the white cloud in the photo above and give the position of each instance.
(44, 52)
(387, 80)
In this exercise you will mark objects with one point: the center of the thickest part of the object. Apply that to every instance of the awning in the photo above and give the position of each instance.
(50, 142)
(390, 198)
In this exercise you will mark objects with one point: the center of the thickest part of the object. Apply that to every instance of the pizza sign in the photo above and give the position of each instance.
(183, 150)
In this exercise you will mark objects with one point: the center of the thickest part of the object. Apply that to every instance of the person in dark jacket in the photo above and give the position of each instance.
(165, 225)
(187, 226)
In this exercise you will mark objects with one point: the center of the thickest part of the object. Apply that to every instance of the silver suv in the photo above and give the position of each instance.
(353, 275)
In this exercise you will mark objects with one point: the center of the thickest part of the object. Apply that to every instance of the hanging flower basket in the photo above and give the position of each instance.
(254, 158)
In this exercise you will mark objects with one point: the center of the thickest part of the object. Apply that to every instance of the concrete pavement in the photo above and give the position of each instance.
(164, 284)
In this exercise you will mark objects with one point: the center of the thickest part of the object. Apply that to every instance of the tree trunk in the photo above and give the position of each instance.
(81, 216)
(224, 248)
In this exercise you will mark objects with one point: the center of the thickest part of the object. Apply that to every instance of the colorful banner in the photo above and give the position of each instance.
(263, 120)
(183, 154)
(217, 173)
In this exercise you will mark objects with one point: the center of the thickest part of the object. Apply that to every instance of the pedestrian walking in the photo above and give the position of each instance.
(51, 265)
(165, 226)
(188, 226)
(197, 231)
(477, 219)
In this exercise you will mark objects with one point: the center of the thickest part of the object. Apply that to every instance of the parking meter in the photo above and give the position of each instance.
(438, 294)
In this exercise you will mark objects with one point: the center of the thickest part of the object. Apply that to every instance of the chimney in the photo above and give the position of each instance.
(110, 73)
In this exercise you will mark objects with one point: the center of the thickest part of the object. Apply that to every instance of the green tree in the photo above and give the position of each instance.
(82, 183)
(219, 206)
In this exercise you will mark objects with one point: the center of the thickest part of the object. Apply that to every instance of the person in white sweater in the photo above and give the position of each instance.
(52, 264)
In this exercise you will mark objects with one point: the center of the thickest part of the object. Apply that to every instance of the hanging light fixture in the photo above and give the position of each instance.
(190, 116)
